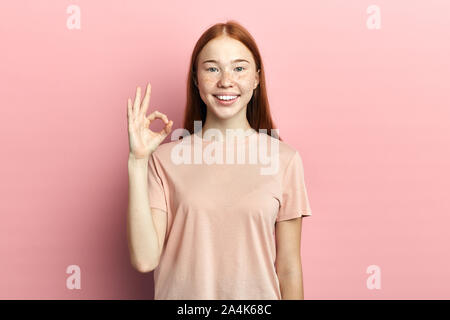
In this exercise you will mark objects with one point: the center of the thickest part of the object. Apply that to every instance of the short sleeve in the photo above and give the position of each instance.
(294, 199)
(156, 195)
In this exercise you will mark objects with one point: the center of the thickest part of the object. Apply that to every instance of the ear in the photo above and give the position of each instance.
(257, 79)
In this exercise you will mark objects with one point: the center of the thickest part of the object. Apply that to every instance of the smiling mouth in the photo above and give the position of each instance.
(225, 102)
(217, 96)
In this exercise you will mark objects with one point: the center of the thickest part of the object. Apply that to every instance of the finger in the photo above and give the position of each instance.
(169, 126)
(156, 114)
(166, 129)
(162, 116)
(146, 100)
(129, 112)
(129, 108)
(137, 102)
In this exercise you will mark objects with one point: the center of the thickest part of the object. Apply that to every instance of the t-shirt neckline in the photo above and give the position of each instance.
(236, 139)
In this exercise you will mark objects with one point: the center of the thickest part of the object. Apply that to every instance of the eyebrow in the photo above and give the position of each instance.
(236, 60)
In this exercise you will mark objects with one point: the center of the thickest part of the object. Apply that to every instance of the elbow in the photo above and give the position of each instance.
(145, 267)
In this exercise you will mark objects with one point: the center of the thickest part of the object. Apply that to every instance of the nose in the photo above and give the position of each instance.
(225, 79)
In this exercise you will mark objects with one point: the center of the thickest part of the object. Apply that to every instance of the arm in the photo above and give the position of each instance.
(142, 236)
(288, 260)
(145, 226)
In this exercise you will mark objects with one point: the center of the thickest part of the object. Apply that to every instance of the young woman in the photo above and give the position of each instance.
(216, 230)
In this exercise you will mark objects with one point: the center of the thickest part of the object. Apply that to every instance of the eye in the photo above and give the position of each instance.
(242, 68)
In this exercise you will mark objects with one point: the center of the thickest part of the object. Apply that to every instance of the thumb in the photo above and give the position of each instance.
(164, 132)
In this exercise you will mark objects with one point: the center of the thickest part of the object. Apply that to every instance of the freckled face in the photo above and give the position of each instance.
(226, 75)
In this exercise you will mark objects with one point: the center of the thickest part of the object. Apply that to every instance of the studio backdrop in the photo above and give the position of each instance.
(359, 88)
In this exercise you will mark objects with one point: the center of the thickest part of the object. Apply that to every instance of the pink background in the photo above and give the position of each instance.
(368, 110)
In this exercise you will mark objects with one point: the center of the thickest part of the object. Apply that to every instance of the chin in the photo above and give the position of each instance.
(226, 112)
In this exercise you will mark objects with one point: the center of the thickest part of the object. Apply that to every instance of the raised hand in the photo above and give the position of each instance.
(142, 140)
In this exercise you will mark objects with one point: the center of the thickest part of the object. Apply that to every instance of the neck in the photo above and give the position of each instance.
(238, 122)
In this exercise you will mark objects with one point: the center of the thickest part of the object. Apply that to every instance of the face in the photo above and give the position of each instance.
(219, 74)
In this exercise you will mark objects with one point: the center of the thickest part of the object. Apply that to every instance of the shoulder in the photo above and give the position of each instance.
(164, 150)
(285, 150)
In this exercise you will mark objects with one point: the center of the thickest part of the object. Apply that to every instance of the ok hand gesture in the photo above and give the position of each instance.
(142, 140)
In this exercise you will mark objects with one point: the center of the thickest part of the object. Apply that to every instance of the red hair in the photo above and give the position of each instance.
(258, 111)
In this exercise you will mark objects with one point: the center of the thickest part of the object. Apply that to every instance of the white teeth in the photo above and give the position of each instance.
(226, 97)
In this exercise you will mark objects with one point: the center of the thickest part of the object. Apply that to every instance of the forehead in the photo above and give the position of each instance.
(224, 50)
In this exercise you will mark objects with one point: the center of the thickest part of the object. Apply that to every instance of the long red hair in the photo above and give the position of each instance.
(258, 111)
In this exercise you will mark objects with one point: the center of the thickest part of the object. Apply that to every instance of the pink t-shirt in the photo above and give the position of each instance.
(220, 236)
